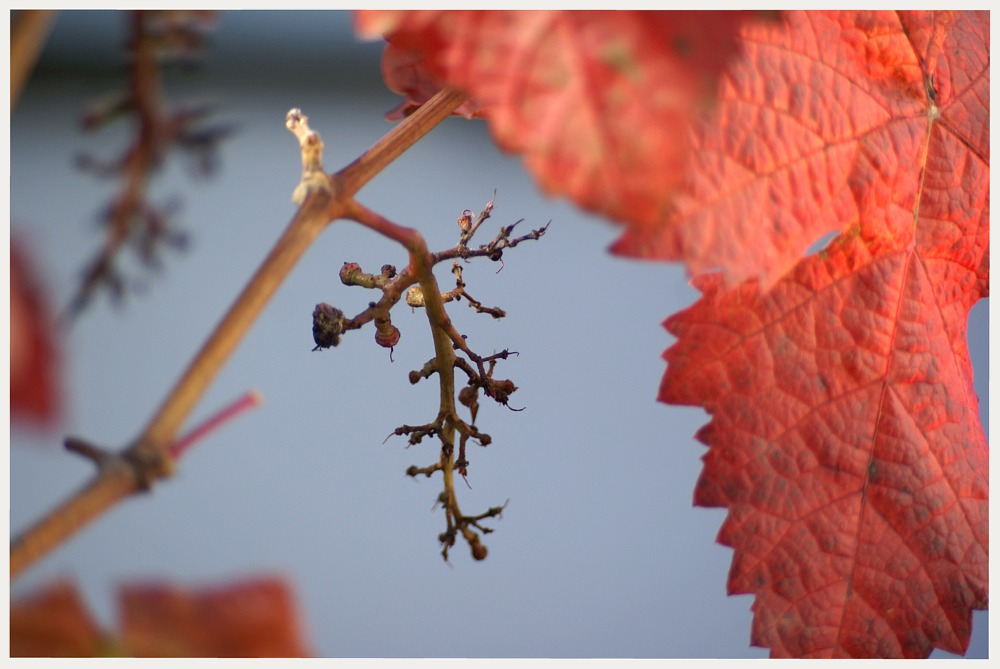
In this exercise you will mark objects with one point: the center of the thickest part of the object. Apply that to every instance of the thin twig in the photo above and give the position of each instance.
(248, 400)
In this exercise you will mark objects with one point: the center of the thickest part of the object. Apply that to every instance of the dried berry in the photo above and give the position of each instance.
(415, 296)
(502, 389)
(479, 551)
(387, 338)
(386, 334)
(328, 325)
(468, 395)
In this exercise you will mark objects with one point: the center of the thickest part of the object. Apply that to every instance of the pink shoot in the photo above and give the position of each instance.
(249, 400)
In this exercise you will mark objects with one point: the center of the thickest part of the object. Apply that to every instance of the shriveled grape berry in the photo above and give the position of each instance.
(328, 324)
(387, 336)
(479, 551)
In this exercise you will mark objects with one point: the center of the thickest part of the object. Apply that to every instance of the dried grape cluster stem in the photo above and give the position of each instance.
(419, 286)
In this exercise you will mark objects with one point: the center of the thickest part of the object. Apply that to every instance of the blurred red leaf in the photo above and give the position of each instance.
(253, 618)
(34, 395)
(405, 73)
(845, 437)
(599, 103)
(250, 618)
(54, 622)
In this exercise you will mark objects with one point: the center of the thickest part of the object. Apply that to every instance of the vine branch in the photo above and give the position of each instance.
(148, 457)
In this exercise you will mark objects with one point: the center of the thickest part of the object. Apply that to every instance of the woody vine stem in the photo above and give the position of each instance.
(323, 198)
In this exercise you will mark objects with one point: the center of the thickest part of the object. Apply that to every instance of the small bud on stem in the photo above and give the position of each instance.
(313, 175)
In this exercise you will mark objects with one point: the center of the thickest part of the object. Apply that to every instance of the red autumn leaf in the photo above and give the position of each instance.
(845, 437)
(820, 125)
(405, 73)
(33, 363)
(252, 618)
(255, 618)
(54, 622)
(599, 103)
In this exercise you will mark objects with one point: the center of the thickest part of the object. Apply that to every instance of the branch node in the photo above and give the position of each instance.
(148, 465)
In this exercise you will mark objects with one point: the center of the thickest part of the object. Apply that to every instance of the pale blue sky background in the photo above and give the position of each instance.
(600, 552)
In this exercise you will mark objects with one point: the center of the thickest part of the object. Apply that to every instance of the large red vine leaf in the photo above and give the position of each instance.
(600, 104)
(845, 436)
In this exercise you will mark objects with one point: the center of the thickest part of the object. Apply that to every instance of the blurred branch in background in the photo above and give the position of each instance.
(28, 30)
(157, 39)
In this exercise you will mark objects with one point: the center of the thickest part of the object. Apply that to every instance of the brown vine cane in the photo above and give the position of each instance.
(147, 458)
